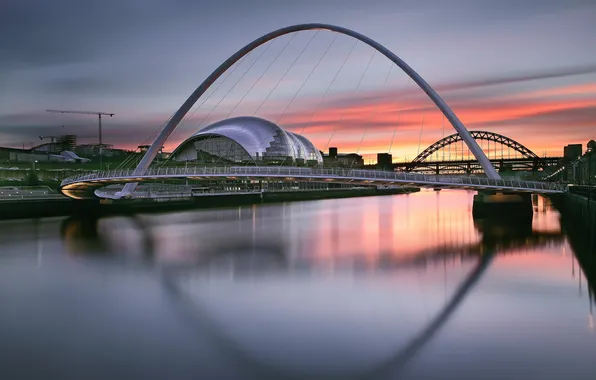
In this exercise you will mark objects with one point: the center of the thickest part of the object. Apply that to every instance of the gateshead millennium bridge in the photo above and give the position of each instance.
(82, 186)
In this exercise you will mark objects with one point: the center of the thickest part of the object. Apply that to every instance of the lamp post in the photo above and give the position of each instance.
(32, 180)
(589, 156)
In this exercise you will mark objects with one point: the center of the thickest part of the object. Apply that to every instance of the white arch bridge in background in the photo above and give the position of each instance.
(151, 153)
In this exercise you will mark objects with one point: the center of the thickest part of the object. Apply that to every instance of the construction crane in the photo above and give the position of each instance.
(99, 115)
(52, 138)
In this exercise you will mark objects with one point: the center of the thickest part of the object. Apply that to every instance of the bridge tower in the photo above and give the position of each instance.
(500, 205)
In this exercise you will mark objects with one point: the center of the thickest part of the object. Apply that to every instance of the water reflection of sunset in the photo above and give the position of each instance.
(427, 225)
(379, 270)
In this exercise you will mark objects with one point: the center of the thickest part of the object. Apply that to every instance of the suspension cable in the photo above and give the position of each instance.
(357, 87)
(283, 77)
(287, 71)
(302, 86)
(258, 80)
(208, 138)
(279, 81)
(235, 84)
(230, 72)
(132, 156)
(443, 126)
(233, 87)
(306, 80)
(375, 110)
(421, 129)
(327, 91)
(398, 117)
(260, 77)
(330, 85)
(329, 141)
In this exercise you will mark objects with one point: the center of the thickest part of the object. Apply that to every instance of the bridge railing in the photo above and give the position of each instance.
(325, 173)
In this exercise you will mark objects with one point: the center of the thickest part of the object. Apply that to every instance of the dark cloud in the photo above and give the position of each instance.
(145, 56)
(78, 84)
(412, 93)
(53, 32)
(550, 121)
(97, 85)
(518, 78)
(38, 32)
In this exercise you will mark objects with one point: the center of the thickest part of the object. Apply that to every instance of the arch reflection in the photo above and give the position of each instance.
(252, 241)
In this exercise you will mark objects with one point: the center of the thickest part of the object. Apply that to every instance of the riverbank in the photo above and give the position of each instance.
(577, 210)
(39, 208)
(578, 220)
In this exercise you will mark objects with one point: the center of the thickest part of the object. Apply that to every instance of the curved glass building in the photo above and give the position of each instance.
(247, 140)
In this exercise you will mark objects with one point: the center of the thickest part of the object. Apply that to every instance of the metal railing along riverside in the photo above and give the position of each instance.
(27, 192)
(333, 173)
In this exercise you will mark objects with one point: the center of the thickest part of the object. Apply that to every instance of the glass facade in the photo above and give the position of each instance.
(214, 148)
(247, 140)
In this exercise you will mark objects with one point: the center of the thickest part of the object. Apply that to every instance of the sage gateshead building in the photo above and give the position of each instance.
(247, 141)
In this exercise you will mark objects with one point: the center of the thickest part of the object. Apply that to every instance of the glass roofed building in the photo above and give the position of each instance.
(247, 140)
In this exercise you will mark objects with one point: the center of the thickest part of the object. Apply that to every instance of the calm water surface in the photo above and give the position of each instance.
(405, 286)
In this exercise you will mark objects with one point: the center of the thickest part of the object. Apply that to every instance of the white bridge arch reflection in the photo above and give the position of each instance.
(253, 256)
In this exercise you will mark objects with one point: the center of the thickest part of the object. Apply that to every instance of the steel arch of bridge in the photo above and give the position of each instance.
(477, 135)
(385, 368)
(151, 153)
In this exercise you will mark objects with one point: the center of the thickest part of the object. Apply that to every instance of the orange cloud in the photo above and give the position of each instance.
(535, 119)
(543, 120)
(580, 89)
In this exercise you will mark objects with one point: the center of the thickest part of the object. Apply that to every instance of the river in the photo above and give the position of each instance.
(403, 286)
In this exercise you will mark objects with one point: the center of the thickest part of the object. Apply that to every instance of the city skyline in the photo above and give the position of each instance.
(515, 68)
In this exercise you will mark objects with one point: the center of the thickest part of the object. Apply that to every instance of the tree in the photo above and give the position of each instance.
(32, 179)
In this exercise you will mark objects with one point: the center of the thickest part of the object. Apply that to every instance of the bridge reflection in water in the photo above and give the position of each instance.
(344, 234)
(265, 241)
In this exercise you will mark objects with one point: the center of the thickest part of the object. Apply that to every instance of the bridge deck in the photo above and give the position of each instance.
(356, 176)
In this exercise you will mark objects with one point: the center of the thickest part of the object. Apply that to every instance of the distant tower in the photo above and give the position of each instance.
(66, 142)
(572, 151)
(333, 152)
(384, 161)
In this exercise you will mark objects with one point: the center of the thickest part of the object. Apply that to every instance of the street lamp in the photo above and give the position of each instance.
(590, 156)
(34, 162)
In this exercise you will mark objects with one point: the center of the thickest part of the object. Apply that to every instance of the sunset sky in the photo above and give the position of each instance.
(522, 68)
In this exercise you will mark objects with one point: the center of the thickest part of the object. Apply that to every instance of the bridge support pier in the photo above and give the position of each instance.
(502, 205)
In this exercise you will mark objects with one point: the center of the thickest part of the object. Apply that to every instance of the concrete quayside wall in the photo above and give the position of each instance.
(578, 220)
(62, 206)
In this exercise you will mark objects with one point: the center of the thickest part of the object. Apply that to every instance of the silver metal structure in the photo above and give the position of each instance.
(257, 140)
